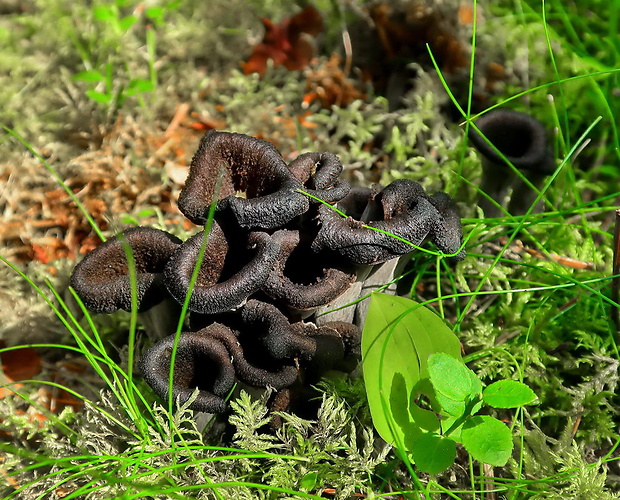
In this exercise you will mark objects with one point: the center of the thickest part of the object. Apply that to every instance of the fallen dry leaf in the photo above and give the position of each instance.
(19, 364)
(288, 43)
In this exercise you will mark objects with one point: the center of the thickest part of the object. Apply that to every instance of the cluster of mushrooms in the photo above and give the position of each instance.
(281, 243)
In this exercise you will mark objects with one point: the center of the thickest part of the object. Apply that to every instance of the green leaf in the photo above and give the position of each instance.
(99, 96)
(91, 75)
(399, 335)
(451, 406)
(425, 419)
(129, 219)
(105, 12)
(127, 22)
(400, 414)
(454, 384)
(154, 13)
(508, 394)
(450, 377)
(476, 389)
(308, 482)
(433, 454)
(146, 212)
(487, 440)
(138, 86)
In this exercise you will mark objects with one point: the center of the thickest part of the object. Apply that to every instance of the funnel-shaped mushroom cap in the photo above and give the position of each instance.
(253, 365)
(102, 279)
(201, 362)
(399, 196)
(268, 329)
(234, 267)
(245, 164)
(318, 172)
(302, 279)
(402, 216)
(521, 138)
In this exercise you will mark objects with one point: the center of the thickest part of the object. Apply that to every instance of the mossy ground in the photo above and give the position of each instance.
(114, 97)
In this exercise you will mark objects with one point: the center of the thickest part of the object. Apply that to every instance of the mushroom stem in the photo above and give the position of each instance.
(161, 320)
(375, 281)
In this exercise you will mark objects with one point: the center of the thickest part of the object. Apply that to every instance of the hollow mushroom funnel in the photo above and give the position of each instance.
(523, 142)
(102, 278)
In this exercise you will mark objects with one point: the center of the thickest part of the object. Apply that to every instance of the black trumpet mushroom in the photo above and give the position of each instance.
(202, 362)
(397, 218)
(269, 329)
(237, 162)
(259, 348)
(254, 366)
(275, 261)
(102, 279)
(523, 142)
(446, 233)
(338, 345)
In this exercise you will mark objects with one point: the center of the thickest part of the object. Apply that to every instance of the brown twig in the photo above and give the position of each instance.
(489, 474)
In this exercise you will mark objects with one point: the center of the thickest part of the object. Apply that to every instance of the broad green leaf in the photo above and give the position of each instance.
(455, 385)
(426, 419)
(487, 440)
(476, 390)
(154, 13)
(450, 377)
(399, 335)
(508, 394)
(433, 453)
(399, 402)
(451, 406)
(91, 75)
